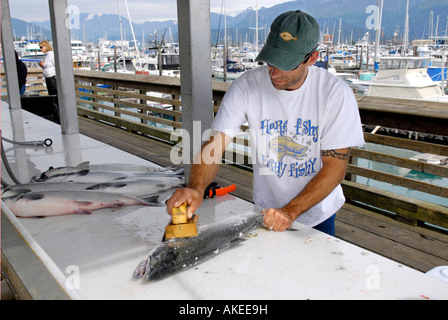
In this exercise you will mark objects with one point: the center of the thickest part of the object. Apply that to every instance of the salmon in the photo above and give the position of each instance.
(62, 202)
(175, 255)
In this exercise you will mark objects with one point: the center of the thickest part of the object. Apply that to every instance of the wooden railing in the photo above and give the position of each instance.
(129, 101)
(35, 83)
(410, 209)
(151, 105)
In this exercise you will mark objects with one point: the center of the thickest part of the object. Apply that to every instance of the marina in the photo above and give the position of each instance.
(381, 233)
(134, 232)
(391, 238)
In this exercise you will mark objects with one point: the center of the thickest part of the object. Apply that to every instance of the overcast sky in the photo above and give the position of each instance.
(139, 10)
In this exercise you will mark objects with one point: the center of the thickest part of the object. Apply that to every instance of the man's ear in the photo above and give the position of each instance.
(313, 58)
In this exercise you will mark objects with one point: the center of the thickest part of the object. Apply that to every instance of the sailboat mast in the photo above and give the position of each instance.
(339, 32)
(406, 29)
(133, 34)
(256, 27)
(378, 29)
(121, 34)
(225, 44)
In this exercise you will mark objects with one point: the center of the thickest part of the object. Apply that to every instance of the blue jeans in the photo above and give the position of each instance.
(327, 226)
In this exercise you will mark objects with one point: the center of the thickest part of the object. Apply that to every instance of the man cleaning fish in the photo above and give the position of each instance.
(302, 120)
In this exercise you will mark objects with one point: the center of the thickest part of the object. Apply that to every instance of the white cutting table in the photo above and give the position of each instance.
(104, 248)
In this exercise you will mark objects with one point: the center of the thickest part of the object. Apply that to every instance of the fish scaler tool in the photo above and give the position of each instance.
(181, 226)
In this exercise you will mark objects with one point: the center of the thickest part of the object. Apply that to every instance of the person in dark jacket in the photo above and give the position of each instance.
(22, 73)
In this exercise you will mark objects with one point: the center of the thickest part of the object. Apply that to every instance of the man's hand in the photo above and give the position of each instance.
(192, 197)
(277, 219)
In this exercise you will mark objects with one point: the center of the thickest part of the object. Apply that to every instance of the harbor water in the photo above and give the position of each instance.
(402, 172)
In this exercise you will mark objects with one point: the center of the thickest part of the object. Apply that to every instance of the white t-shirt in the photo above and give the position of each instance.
(49, 69)
(288, 130)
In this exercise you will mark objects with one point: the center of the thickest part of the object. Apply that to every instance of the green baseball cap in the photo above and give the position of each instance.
(293, 35)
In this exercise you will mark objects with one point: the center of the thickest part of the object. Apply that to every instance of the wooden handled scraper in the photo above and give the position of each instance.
(181, 226)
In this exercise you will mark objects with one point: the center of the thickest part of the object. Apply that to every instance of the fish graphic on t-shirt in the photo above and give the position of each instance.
(286, 147)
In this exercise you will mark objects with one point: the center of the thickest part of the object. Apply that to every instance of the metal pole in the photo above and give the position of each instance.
(196, 72)
(64, 66)
(378, 29)
(12, 78)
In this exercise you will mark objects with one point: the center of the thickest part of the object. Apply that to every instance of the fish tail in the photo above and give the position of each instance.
(154, 201)
(83, 165)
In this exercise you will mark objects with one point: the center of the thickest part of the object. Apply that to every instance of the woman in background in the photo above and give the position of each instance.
(48, 66)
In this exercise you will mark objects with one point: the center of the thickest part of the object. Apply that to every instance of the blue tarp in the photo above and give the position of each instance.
(436, 73)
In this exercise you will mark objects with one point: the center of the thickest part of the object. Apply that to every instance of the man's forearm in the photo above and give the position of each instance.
(201, 175)
(205, 168)
(328, 178)
(203, 171)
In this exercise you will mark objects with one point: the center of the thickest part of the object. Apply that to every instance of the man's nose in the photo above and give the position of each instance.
(275, 72)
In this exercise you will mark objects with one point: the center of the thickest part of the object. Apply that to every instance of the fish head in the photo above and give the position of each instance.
(161, 261)
(284, 146)
(12, 192)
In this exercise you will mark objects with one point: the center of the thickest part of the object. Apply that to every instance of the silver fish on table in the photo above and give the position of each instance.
(141, 187)
(123, 167)
(14, 190)
(146, 187)
(98, 176)
(54, 203)
(175, 255)
(115, 168)
(61, 170)
(85, 176)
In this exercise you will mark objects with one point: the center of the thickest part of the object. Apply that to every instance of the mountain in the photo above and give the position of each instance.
(353, 15)
(29, 30)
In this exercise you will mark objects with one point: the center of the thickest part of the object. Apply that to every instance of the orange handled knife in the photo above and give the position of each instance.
(214, 190)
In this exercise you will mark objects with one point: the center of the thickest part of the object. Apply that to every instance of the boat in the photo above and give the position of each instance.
(162, 64)
(233, 71)
(29, 49)
(406, 78)
(78, 48)
(81, 63)
(431, 158)
(246, 57)
(360, 82)
(342, 61)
